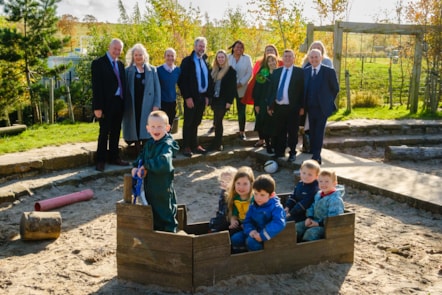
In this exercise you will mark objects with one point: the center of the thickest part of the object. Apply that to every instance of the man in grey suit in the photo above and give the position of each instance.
(321, 88)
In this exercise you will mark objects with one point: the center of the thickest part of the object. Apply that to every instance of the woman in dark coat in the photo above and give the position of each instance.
(222, 93)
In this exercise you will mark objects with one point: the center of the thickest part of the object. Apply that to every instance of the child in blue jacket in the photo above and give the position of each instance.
(327, 203)
(264, 219)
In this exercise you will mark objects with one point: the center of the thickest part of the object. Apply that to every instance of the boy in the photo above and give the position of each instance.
(304, 193)
(264, 219)
(157, 157)
(328, 202)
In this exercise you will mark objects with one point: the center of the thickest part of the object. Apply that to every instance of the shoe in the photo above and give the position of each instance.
(259, 143)
(100, 166)
(187, 152)
(291, 158)
(200, 150)
(242, 136)
(318, 160)
(211, 130)
(119, 162)
(270, 150)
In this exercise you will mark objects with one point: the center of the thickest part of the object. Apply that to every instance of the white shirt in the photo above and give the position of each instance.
(285, 95)
(318, 68)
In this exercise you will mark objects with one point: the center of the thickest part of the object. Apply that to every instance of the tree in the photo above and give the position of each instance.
(429, 14)
(67, 26)
(35, 41)
(280, 18)
(332, 9)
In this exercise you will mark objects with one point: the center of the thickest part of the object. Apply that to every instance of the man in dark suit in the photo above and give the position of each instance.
(108, 84)
(321, 88)
(194, 83)
(284, 104)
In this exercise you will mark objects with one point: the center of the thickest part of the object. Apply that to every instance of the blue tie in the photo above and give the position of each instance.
(314, 73)
(117, 73)
(203, 78)
(281, 86)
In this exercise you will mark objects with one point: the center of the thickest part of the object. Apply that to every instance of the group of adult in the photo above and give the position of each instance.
(283, 95)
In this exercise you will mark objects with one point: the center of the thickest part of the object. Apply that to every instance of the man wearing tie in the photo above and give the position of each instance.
(321, 88)
(193, 83)
(285, 104)
(108, 84)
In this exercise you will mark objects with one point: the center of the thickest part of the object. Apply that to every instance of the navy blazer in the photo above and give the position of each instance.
(295, 91)
(187, 82)
(326, 90)
(105, 83)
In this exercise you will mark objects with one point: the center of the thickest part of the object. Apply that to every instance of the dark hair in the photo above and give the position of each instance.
(264, 182)
(234, 44)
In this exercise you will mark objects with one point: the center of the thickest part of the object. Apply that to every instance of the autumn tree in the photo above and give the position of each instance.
(34, 41)
(67, 26)
(429, 14)
(332, 10)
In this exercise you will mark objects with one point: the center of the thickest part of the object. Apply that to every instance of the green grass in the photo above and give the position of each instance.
(38, 136)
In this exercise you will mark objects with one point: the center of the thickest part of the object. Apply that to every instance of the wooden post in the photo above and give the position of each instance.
(337, 52)
(310, 36)
(40, 225)
(51, 101)
(347, 87)
(416, 75)
(127, 189)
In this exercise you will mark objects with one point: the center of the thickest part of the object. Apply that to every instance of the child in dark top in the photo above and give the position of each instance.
(304, 193)
(264, 219)
(157, 156)
(328, 202)
(220, 222)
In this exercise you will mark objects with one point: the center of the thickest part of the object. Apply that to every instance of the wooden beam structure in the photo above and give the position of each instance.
(339, 28)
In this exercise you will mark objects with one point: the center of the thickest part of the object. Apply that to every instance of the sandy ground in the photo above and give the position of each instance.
(398, 249)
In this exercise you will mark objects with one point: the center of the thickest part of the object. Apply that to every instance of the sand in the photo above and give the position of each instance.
(398, 249)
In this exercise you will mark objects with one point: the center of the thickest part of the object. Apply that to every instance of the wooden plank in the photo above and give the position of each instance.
(163, 241)
(127, 188)
(286, 238)
(341, 225)
(134, 222)
(157, 260)
(134, 210)
(198, 228)
(213, 246)
(139, 274)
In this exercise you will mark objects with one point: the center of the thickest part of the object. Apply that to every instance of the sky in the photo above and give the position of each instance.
(107, 10)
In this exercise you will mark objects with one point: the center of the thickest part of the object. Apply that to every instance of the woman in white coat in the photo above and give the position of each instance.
(143, 95)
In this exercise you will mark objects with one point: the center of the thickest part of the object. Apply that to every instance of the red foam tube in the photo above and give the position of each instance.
(57, 202)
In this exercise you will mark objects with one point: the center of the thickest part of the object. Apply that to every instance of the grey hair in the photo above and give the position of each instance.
(130, 54)
(199, 39)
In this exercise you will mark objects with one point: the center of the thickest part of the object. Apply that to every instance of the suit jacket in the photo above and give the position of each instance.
(105, 83)
(326, 90)
(187, 82)
(151, 98)
(295, 90)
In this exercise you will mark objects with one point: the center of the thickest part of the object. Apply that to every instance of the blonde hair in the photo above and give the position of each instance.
(217, 72)
(227, 170)
(329, 173)
(159, 114)
(243, 171)
(311, 164)
(322, 49)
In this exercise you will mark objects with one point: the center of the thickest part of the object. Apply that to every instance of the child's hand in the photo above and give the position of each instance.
(234, 223)
(308, 222)
(142, 172)
(254, 234)
(133, 171)
(286, 209)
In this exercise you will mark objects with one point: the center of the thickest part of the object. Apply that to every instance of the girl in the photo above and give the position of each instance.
(261, 92)
(223, 92)
(238, 199)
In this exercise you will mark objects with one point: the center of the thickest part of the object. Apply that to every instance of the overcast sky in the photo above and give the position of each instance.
(107, 10)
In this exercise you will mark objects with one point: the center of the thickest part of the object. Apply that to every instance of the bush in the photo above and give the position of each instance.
(365, 99)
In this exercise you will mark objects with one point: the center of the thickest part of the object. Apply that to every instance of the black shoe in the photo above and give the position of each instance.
(318, 160)
(270, 150)
(211, 130)
(200, 150)
(213, 148)
(100, 166)
(242, 136)
(291, 158)
(187, 153)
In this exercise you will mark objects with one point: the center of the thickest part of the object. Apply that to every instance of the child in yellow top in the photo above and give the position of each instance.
(238, 199)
